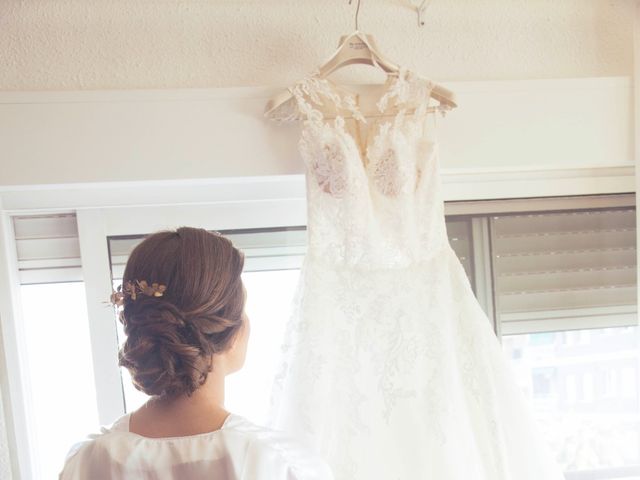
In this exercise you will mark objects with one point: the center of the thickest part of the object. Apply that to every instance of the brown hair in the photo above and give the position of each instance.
(170, 339)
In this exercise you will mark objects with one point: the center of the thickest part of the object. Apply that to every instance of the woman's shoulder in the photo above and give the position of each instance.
(272, 450)
(85, 447)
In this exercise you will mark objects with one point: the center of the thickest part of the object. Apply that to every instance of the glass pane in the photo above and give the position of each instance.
(61, 403)
(269, 299)
(583, 386)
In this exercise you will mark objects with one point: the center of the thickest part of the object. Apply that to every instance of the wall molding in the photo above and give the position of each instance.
(173, 94)
(65, 137)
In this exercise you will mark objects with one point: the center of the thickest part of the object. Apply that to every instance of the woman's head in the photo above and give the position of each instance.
(197, 325)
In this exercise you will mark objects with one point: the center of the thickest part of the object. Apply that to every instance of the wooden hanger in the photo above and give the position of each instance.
(356, 47)
(360, 48)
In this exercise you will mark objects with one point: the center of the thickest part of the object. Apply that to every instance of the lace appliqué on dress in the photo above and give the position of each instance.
(406, 89)
(329, 167)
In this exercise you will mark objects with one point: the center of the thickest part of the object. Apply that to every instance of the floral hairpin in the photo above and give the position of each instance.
(132, 290)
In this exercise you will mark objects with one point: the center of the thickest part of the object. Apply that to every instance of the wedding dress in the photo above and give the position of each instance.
(390, 366)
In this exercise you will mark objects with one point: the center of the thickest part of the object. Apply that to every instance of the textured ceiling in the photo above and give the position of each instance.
(100, 44)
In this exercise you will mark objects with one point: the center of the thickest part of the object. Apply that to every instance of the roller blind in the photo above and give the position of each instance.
(264, 249)
(551, 270)
(47, 248)
(460, 238)
(563, 270)
(279, 249)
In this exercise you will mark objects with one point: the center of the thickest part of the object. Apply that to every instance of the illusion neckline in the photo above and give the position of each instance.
(348, 97)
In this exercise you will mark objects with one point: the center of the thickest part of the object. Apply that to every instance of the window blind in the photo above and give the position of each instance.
(283, 248)
(264, 249)
(459, 231)
(551, 270)
(48, 249)
(563, 270)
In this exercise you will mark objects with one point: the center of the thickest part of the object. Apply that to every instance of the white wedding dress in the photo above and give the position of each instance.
(390, 366)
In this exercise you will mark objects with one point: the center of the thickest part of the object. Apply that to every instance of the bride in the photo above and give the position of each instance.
(186, 330)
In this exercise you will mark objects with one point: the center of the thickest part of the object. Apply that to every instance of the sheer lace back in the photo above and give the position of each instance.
(372, 182)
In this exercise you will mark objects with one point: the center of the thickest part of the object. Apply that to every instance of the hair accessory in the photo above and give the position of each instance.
(132, 290)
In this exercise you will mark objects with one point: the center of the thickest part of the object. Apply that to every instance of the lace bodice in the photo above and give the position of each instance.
(373, 188)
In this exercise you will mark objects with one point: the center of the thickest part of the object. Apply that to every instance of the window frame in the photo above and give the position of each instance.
(15, 392)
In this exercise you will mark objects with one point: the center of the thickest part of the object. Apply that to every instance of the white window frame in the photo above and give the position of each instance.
(15, 394)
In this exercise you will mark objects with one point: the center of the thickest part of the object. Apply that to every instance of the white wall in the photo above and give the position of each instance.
(97, 44)
(194, 45)
(183, 134)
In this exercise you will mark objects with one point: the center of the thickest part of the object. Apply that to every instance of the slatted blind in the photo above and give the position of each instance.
(460, 239)
(551, 270)
(264, 249)
(562, 270)
(47, 248)
(279, 249)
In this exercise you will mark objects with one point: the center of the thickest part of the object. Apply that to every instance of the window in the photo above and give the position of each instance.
(589, 416)
(269, 298)
(557, 281)
(548, 273)
(543, 381)
(565, 290)
(60, 375)
(58, 371)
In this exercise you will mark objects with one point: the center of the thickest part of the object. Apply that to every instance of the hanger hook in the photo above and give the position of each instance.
(357, 12)
(420, 10)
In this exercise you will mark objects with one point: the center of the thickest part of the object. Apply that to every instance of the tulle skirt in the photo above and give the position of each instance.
(397, 373)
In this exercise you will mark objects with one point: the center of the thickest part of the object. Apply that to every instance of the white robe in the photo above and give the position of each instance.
(239, 450)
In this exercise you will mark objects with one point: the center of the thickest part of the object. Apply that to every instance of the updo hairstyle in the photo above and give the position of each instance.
(170, 339)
